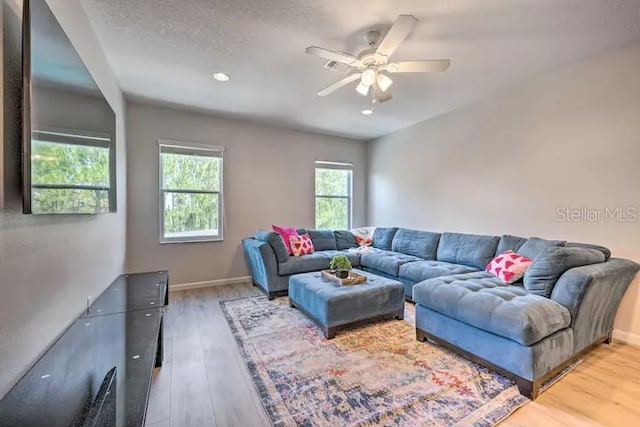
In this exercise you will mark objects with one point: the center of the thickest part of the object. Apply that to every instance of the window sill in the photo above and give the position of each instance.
(194, 239)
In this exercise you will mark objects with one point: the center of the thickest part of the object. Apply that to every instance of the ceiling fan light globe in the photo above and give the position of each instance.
(384, 82)
(363, 89)
(368, 77)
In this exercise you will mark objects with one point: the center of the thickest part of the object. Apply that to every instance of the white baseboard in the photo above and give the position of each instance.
(626, 337)
(209, 283)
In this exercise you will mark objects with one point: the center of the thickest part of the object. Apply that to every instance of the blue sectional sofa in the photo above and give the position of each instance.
(565, 304)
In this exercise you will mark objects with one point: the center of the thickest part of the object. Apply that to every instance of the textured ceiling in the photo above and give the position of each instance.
(165, 51)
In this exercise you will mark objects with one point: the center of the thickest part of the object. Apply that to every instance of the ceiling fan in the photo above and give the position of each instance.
(372, 66)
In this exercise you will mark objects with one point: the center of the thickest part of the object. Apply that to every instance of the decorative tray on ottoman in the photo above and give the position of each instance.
(353, 279)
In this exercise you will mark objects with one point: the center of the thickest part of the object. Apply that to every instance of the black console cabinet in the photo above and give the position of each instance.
(98, 372)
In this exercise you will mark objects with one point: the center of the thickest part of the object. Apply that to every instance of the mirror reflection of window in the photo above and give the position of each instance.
(69, 147)
(70, 172)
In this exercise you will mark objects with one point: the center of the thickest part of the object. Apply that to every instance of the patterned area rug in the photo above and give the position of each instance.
(376, 374)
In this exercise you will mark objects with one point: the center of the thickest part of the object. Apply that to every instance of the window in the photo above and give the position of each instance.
(71, 173)
(191, 201)
(333, 195)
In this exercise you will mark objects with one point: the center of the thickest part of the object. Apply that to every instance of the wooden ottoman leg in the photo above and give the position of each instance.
(291, 304)
(420, 336)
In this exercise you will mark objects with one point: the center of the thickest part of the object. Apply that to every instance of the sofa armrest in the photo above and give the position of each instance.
(262, 263)
(592, 294)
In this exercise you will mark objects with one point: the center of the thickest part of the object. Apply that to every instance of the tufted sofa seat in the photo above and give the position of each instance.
(481, 300)
(423, 270)
(387, 262)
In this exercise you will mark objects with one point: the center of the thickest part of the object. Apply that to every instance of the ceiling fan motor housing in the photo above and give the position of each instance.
(373, 37)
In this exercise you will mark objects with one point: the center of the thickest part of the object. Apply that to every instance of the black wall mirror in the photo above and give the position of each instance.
(69, 161)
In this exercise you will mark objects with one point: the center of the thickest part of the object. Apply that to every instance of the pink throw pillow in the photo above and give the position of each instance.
(285, 233)
(509, 266)
(301, 245)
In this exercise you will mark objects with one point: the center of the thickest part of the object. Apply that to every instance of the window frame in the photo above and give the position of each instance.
(82, 138)
(161, 192)
(323, 164)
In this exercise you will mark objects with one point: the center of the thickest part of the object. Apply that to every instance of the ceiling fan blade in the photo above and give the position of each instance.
(381, 96)
(396, 35)
(426, 66)
(340, 83)
(333, 56)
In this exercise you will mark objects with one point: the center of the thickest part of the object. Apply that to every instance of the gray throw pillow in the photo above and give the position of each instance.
(345, 239)
(276, 243)
(547, 267)
(534, 246)
(510, 243)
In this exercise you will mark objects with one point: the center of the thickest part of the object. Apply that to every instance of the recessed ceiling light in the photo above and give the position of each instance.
(221, 77)
(367, 112)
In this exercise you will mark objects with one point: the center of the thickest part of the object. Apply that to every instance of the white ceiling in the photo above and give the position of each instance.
(165, 51)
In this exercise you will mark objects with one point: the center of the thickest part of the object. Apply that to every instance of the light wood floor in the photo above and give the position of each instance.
(204, 382)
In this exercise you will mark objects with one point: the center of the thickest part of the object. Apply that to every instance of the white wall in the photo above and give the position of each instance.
(570, 138)
(269, 179)
(49, 265)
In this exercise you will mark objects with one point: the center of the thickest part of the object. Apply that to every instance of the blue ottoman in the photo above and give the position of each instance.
(333, 306)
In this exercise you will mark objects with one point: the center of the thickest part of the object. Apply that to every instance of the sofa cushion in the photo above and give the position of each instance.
(345, 239)
(304, 264)
(467, 249)
(547, 268)
(275, 241)
(509, 243)
(423, 244)
(383, 237)
(534, 246)
(605, 251)
(423, 270)
(386, 261)
(353, 256)
(323, 240)
(481, 300)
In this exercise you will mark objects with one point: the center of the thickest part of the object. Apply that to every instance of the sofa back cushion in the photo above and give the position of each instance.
(323, 240)
(467, 249)
(345, 239)
(605, 251)
(423, 244)
(548, 266)
(534, 246)
(510, 243)
(275, 241)
(383, 236)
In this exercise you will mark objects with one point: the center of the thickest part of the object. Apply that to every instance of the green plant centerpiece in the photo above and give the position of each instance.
(340, 266)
